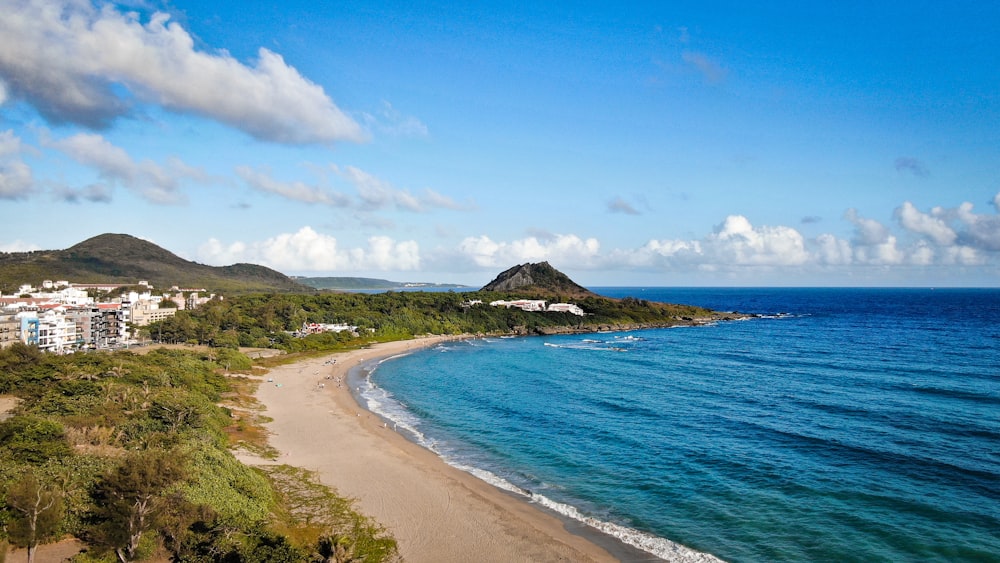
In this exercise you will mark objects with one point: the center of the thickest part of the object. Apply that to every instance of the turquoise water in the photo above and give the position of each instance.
(845, 424)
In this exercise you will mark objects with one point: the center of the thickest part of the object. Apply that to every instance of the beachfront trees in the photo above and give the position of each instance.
(37, 513)
(137, 448)
(130, 499)
(33, 439)
(256, 320)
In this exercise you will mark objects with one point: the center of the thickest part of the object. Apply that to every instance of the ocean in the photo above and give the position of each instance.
(840, 425)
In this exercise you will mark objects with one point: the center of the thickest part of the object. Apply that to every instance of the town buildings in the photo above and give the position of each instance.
(62, 317)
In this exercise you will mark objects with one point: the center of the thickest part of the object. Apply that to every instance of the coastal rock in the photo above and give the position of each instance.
(540, 277)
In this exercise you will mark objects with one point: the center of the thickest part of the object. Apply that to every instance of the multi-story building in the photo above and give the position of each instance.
(100, 325)
(62, 317)
(10, 329)
(56, 332)
(143, 312)
(28, 329)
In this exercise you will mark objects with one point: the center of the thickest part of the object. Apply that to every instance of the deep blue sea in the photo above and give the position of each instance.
(843, 425)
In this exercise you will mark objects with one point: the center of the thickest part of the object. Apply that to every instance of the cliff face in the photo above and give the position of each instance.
(509, 280)
(536, 278)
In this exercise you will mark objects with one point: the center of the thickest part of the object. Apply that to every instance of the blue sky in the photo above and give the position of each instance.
(645, 144)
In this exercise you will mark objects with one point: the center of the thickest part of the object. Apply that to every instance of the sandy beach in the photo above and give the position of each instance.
(436, 512)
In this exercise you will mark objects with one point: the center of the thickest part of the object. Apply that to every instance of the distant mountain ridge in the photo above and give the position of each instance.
(537, 279)
(350, 283)
(125, 259)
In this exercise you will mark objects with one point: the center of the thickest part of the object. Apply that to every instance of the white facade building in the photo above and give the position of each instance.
(56, 333)
(522, 304)
(566, 308)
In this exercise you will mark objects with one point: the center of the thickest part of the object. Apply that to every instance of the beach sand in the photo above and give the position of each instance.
(436, 512)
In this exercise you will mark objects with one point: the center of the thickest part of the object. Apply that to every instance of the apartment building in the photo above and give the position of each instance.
(10, 329)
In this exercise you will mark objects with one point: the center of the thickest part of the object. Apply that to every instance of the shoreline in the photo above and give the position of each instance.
(623, 543)
(619, 549)
(435, 511)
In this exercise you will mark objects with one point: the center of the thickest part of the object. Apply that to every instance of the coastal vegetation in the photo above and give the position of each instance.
(131, 453)
(273, 320)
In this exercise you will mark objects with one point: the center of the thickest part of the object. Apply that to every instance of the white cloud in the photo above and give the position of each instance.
(297, 191)
(922, 254)
(387, 254)
(155, 182)
(738, 242)
(431, 198)
(963, 255)
(833, 251)
(10, 144)
(18, 246)
(874, 243)
(373, 193)
(307, 250)
(868, 231)
(953, 228)
(737, 248)
(658, 253)
(16, 180)
(934, 228)
(733, 243)
(485, 252)
(376, 194)
(69, 59)
(979, 231)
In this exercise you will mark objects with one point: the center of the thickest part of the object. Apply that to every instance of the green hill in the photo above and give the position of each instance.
(118, 258)
(539, 279)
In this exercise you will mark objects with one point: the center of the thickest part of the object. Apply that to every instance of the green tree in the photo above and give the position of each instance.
(37, 514)
(33, 439)
(131, 498)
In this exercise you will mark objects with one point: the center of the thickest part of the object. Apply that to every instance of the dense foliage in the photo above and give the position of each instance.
(129, 453)
(270, 320)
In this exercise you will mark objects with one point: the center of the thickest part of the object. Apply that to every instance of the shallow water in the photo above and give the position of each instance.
(849, 424)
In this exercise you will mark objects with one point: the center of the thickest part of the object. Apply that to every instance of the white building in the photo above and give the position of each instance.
(522, 304)
(316, 328)
(566, 308)
(56, 333)
(144, 311)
